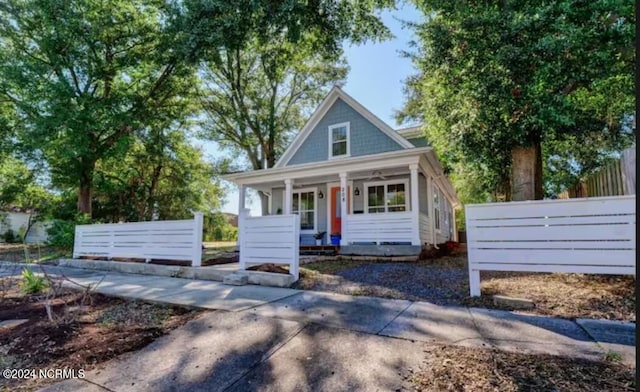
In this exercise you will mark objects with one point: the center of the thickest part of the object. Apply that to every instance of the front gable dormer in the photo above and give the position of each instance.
(341, 128)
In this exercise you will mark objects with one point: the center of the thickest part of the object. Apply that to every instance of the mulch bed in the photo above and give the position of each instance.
(444, 281)
(81, 336)
(276, 269)
(454, 368)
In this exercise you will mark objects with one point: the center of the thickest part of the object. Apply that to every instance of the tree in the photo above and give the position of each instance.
(256, 97)
(161, 177)
(514, 86)
(86, 75)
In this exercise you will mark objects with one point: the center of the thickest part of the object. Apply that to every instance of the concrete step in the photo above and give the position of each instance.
(236, 279)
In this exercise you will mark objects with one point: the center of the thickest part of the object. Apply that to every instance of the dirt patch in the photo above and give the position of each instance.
(445, 281)
(82, 336)
(276, 269)
(451, 368)
(564, 295)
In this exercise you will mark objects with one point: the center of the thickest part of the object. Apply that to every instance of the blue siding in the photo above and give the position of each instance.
(366, 138)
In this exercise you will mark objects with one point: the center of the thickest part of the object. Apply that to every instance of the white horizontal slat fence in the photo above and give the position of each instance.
(587, 235)
(162, 240)
(381, 227)
(272, 239)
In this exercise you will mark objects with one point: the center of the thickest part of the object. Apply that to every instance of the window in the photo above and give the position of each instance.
(386, 197)
(304, 204)
(339, 140)
(436, 208)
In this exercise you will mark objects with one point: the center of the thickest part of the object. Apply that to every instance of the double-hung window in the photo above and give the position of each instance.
(304, 204)
(339, 140)
(386, 197)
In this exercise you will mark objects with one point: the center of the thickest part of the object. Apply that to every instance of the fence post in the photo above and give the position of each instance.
(243, 213)
(474, 274)
(294, 267)
(76, 241)
(198, 218)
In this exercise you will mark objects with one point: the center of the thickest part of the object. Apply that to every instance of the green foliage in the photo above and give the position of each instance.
(61, 233)
(19, 186)
(257, 96)
(217, 227)
(85, 77)
(32, 283)
(10, 237)
(493, 76)
(161, 177)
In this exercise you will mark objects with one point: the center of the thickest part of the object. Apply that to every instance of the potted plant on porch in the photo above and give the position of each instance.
(335, 238)
(319, 236)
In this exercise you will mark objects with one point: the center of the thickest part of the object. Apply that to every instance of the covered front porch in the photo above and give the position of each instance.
(384, 199)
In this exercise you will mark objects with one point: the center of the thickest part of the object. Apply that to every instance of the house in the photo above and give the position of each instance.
(375, 189)
(19, 221)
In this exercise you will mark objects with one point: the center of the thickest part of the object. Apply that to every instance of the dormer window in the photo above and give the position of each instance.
(339, 140)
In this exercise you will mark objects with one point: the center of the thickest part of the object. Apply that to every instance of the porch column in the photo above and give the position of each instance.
(415, 206)
(343, 209)
(242, 191)
(453, 224)
(288, 196)
(432, 216)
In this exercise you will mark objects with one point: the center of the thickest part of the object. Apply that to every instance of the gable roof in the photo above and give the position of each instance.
(335, 93)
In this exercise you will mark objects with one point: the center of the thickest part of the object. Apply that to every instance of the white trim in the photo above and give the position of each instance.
(320, 112)
(330, 185)
(315, 207)
(411, 132)
(398, 158)
(347, 125)
(404, 181)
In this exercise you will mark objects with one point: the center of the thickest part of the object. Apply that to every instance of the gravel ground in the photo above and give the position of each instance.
(444, 281)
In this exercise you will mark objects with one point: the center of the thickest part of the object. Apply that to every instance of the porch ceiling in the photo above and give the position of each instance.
(362, 167)
(330, 169)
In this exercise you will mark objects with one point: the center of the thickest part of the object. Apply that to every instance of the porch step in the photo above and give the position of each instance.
(319, 250)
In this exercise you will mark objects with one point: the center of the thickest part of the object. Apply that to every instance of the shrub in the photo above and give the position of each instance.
(62, 232)
(10, 237)
(31, 283)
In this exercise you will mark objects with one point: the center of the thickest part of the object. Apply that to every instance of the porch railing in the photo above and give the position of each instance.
(381, 227)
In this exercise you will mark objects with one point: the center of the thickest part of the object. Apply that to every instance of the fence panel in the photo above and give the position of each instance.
(381, 227)
(272, 239)
(587, 235)
(162, 240)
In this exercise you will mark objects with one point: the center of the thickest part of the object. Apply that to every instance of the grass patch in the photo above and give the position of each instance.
(331, 267)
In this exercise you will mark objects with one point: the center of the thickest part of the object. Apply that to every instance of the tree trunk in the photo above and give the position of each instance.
(84, 196)
(85, 189)
(526, 173)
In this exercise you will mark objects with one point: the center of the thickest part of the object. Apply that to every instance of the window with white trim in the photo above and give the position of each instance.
(436, 208)
(304, 204)
(386, 197)
(339, 140)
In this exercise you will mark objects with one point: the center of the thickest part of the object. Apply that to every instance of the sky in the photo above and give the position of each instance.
(375, 79)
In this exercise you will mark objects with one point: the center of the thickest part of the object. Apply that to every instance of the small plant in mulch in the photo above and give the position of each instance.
(32, 283)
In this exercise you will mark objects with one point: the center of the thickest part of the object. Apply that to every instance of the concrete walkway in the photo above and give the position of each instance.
(284, 339)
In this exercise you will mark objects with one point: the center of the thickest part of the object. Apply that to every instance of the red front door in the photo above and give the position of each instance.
(335, 224)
